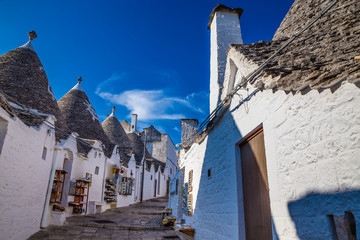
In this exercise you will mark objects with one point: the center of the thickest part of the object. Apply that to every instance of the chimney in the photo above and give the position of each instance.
(133, 122)
(224, 29)
(188, 132)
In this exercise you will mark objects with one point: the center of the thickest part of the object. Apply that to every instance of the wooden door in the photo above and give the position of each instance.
(255, 187)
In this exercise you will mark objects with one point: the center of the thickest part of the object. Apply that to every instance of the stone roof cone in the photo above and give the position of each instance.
(22, 77)
(117, 135)
(138, 148)
(80, 117)
(115, 131)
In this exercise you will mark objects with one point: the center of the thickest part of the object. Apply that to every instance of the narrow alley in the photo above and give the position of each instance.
(138, 221)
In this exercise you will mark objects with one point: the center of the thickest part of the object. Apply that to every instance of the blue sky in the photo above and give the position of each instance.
(145, 57)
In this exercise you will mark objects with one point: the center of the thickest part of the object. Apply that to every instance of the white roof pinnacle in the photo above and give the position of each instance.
(78, 85)
(28, 45)
(113, 112)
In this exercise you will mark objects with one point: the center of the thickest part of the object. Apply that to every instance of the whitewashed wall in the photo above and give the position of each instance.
(24, 177)
(126, 200)
(149, 180)
(225, 30)
(312, 147)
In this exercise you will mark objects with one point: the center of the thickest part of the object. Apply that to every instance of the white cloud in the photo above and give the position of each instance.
(155, 104)
(148, 104)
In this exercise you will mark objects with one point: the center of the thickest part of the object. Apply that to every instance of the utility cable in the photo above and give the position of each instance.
(256, 72)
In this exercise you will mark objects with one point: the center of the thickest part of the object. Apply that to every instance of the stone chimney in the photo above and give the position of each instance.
(188, 132)
(224, 29)
(133, 122)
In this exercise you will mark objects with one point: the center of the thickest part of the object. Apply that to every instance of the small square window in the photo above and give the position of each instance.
(151, 177)
(97, 171)
(44, 153)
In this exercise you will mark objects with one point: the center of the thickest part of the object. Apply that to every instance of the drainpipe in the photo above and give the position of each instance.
(49, 189)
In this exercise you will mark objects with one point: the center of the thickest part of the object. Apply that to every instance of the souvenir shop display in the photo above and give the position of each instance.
(110, 191)
(80, 202)
(58, 186)
(125, 185)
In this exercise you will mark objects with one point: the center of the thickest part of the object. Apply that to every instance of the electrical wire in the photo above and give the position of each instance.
(256, 72)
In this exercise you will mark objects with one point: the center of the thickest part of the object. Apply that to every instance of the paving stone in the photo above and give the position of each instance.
(135, 222)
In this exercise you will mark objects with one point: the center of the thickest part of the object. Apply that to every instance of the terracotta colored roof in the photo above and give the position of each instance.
(223, 8)
(80, 117)
(138, 148)
(320, 57)
(22, 77)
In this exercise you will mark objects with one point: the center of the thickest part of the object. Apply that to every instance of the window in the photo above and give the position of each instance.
(151, 177)
(95, 154)
(97, 170)
(170, 170)
(209, 173)
(44, 153)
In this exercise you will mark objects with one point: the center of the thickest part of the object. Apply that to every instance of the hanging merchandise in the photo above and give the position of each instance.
(117, 172)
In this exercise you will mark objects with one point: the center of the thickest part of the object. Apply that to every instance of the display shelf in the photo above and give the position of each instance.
(110, 192)
(58, 186)
(81, 196)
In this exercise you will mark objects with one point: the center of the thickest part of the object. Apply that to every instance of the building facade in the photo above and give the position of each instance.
(279, 157)
(57, 159)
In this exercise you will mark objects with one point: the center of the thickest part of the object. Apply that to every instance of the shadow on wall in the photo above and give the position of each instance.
(327, 216)
(219, 208)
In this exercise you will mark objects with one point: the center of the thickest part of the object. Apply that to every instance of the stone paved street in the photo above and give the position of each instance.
(138, 221)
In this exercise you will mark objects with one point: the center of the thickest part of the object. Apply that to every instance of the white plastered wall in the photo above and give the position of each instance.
(24, 176)
(311, 143)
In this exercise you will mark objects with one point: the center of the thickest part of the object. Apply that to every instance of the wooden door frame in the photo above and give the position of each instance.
(239, 178)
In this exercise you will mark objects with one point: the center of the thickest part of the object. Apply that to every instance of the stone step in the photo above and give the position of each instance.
(120, 227)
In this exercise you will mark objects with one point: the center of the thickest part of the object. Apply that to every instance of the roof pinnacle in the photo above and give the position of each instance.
(32, 35)
(80, 79)
(113, 111)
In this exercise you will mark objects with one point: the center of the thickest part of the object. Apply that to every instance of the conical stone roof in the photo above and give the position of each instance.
(80, 116)
(138, 148)
(23, 79)
(117, 135)
(115, 131)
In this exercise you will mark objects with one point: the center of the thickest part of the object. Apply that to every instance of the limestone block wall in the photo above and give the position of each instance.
(311, 144)
(24, 176)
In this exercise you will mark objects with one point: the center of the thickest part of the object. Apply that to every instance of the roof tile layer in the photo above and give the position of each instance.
(80, 117)
(23, 79)
(318, 58)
